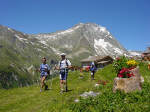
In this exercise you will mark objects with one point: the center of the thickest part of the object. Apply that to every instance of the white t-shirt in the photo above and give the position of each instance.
(63, 64)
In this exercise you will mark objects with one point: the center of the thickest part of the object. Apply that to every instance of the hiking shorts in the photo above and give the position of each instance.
(63, 76)
(43, 75)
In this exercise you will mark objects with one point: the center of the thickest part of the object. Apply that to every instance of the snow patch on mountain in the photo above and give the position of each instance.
(57, 34)
(118, 51)
(69, 30)
(102, 29)
(43, 42)
(101, 43)
(64, 32)
(101, 46)
(10, 30)
(21, 39)
(134, 53)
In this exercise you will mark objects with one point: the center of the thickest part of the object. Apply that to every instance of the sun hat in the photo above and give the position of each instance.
(62, 54)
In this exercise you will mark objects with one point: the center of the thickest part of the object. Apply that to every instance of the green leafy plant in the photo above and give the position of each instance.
(119, 63)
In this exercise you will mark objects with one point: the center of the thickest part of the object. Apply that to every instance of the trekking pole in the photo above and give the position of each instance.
(66, 81)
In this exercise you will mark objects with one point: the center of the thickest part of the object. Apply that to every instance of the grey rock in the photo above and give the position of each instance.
(89, 94)
(129, 84)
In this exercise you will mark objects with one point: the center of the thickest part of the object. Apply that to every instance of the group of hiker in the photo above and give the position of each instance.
(63, 66)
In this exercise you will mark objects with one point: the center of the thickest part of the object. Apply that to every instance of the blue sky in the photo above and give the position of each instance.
(127, 20)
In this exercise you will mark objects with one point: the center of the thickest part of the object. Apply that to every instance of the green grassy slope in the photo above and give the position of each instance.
(16, 57)
(29, 99)
(107, 101)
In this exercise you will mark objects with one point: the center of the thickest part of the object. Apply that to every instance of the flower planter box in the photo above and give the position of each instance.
(129, 84)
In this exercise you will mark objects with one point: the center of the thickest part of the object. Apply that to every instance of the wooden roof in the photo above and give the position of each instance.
(101, 62)
(147, 51)
(94, 58)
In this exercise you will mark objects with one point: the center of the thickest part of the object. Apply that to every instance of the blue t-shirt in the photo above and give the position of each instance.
(93, 68)
(44, 68)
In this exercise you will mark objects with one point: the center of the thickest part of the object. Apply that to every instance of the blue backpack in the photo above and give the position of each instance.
(93, 68)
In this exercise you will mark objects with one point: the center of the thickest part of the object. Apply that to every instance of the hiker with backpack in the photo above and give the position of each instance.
(93, 70)
(45, 71)
(64, 65)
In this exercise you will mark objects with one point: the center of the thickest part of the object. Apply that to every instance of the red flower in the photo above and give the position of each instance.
(120, 75)
(104, 83)
(131, 68)
(123, 70)
(117, 58)
(130, 74)
(125, 73)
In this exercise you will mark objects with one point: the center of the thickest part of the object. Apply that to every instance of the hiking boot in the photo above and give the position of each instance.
(46, 87)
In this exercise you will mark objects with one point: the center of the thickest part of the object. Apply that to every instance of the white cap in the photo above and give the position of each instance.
(92, 63)
(62, 54)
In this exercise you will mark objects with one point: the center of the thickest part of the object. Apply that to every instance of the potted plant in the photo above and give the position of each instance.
(123, 67)
(128, 76)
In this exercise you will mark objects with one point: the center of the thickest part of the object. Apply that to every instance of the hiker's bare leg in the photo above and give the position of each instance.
(91, 76)
(43, 83)
(61, 84)
(64, 83)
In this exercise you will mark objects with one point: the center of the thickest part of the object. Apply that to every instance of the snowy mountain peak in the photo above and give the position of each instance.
(80, 41)
(98, 38)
